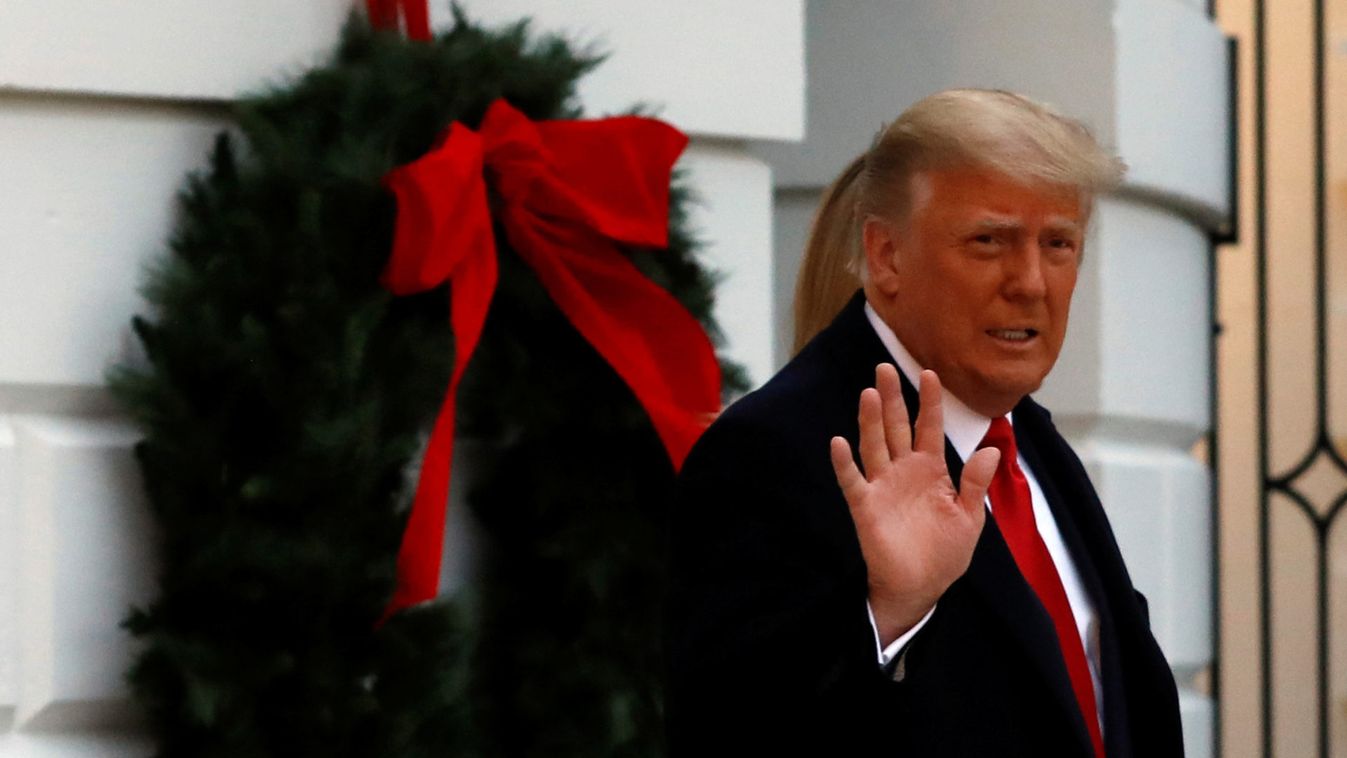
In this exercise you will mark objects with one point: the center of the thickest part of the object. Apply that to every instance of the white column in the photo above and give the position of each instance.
(1132, 393)
(1131, 389)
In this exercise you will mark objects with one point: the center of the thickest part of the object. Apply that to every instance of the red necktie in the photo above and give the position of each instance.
(1013, 510)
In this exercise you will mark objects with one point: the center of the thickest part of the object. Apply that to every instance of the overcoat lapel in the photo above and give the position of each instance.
(1090, 543)
(1032, 428)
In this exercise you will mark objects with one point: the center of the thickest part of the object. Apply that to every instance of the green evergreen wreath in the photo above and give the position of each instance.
(284, 400)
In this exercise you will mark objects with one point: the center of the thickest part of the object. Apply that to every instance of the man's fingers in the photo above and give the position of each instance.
(896, 428)
(874, 450)
(977, 477)
(848, 476)
(930, 436)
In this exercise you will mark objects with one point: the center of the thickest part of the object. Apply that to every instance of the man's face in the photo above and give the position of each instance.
(980, 281)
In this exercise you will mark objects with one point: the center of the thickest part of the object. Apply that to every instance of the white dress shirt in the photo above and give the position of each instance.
(965, 428)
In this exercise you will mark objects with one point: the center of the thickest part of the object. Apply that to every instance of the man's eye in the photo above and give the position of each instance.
(984, 239)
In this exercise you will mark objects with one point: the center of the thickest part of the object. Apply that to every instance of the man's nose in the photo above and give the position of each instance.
(1024, 273)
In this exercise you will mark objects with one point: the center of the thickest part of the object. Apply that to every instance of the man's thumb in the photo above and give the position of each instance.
(977, 477)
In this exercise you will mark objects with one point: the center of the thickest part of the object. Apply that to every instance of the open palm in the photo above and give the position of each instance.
(916, 531)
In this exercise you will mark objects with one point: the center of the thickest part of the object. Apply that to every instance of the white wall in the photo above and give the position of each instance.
(103, 109)
(1131, 389)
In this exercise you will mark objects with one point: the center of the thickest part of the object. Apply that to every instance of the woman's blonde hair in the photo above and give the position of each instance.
(992, 129)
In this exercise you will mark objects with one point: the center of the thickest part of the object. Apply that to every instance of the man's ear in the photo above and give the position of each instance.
(882, 242)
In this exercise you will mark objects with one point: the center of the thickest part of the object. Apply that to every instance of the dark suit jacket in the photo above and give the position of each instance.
(771, 647)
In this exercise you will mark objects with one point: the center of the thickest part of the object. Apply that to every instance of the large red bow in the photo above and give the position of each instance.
(568, 192)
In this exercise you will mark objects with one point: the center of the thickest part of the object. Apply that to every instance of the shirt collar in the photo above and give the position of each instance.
(964, 427)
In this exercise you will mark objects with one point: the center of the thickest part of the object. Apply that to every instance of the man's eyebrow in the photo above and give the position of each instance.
(1057, 224)
(996, 225)
(1064, 224)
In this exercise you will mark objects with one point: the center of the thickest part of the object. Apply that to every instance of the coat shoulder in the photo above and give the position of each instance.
(783, 419)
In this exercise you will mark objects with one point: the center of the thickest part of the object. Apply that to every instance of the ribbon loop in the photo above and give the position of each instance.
(586, 160)
(572, 190)
(442, 218)
(594, 172)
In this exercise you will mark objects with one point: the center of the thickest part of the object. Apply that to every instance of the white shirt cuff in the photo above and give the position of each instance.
(887, 654)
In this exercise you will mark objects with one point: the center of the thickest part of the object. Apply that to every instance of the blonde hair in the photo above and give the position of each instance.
(828, 276)
(990, 129)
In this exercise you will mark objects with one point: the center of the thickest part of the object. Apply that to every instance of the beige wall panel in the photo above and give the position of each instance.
(1237, 465)
(1295, 707)
(1291, 395)
(1337, 620)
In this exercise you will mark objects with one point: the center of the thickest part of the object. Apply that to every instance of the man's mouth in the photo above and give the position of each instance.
(1013, 335)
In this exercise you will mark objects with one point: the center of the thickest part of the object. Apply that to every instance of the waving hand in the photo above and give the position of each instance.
(916, 531)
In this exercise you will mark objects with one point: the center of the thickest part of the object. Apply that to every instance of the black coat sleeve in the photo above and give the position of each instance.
(770, 642)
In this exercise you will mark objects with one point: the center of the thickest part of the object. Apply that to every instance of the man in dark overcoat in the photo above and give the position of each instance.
(888, 549)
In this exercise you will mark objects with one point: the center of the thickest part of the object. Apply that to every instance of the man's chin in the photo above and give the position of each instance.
(997, 395)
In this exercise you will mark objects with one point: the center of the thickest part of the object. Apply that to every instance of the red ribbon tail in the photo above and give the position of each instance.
(471, 288)
(419, 556)
(382, 14)
(642, 331)
(386, 14)
(417, 16)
